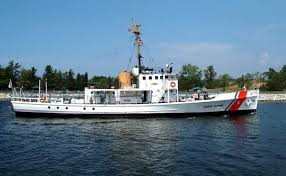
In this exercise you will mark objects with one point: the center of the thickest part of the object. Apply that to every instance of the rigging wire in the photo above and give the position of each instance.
(130, 59)
(151, 59)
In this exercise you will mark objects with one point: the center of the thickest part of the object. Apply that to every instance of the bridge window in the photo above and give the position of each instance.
(144, 78)
(166, 77)
(161, 77)
(150, 77)
(156, 77)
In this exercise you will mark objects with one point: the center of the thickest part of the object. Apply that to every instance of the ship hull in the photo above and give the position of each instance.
(228, 103)
(56, 115)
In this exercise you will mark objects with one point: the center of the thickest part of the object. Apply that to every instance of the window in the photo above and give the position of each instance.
(172, 77)
(144, 78)
(166, 77)
(150, 77)
(156, 77)
(161, 77)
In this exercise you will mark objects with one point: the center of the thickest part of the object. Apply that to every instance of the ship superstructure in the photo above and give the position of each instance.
(141, 91)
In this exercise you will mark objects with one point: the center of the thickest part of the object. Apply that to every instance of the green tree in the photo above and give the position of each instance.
(50, 77)
(190, 76)
(283, 76)
(13, 71)
(4, 79)
(275, 80)
(70, 80)
(81, 81)
(28, 78)
(103, 82)
(85, 79)
(241, 81)
(224, 81)
(210, 75)
(245, 80)
(59, 79)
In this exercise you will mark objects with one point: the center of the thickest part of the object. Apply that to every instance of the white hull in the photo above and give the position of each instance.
(222, 103)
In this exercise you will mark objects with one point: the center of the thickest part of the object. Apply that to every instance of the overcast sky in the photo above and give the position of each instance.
(234, 36)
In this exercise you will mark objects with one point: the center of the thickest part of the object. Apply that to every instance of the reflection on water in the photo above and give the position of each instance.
(240, 145)
(241, 123)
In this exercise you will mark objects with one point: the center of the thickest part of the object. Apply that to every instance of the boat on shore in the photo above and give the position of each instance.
(142, 91)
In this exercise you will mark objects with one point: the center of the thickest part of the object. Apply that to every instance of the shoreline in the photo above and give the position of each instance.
(272, 97)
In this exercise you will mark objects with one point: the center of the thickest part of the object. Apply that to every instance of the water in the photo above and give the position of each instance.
(240, 145)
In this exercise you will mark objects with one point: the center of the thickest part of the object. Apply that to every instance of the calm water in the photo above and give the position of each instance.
(241, 145)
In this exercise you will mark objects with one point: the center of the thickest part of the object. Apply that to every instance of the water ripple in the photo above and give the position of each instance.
(231, 145)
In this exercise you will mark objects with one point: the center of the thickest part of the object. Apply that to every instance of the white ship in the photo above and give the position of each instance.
(153, 93)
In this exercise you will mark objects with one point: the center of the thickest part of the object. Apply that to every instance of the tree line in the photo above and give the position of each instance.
(190, 76)
(57, 79)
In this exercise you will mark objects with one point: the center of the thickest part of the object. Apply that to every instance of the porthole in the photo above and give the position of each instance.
(67, 108)
(57, 107)
(84, 108)
(93, 108)
(49, 107)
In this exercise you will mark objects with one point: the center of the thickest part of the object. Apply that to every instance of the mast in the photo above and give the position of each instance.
(138, 43)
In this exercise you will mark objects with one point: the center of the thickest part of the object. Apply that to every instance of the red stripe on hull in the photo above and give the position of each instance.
(238, 102)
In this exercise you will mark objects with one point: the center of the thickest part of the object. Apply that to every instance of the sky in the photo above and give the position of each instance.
(92, 36)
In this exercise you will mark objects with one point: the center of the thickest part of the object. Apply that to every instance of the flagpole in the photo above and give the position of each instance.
(12, 92)
(46, 89)
(39, 89)
(10, 86)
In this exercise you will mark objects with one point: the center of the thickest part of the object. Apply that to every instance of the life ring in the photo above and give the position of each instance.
(173, 84)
